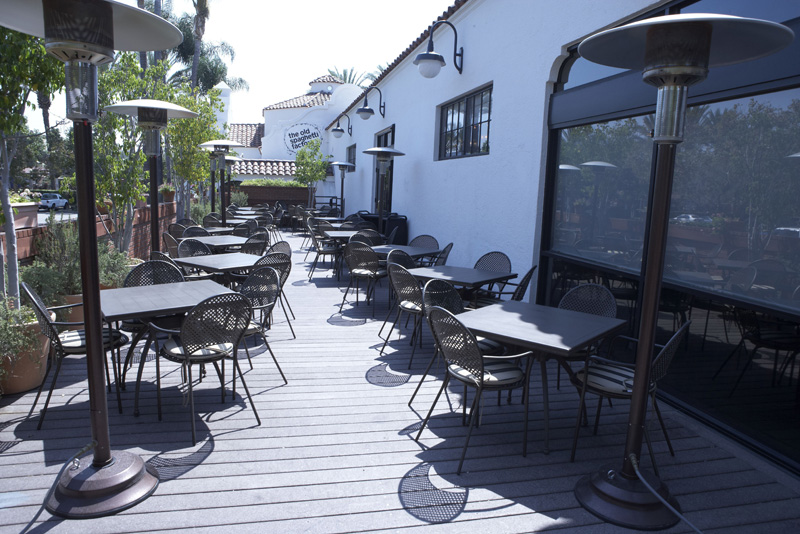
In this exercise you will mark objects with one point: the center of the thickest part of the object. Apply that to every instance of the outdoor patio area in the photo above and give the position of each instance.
(335, 450)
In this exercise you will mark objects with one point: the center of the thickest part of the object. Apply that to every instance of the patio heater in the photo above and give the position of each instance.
(674, 52)
(385, 156)
(84, 34)
(344, 166)
(219, 149)
(152, 117)
(599, 168)
(229, 163)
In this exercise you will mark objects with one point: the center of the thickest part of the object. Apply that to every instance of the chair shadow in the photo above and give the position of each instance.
(382, 375)
(422, 499)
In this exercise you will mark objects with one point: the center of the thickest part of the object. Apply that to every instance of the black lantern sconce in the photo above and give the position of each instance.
(365, 112)
(338, 131)
(431, 62)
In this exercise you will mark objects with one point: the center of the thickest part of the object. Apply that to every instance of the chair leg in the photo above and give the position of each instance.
(388, 314)
(285, 302)
(142, 359)
(746, 366)
(49, 394)
(581, 409)
(246, 351)
(597, 415)
(244, 384)
(274, 359)
(425, 374)
(416, 332)
(346, 291)
(191, 403)
(650, 451)
(385, 341)
(294, 336)
(430, 412)
(472, 418)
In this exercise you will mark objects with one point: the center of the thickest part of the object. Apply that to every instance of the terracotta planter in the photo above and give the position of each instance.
(169, 196)
(27, 371)
(27, 215)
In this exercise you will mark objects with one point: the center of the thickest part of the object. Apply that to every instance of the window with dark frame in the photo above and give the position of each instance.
(464, 125)
(351, 157)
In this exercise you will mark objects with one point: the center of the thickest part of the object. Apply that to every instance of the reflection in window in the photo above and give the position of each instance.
(464, 125)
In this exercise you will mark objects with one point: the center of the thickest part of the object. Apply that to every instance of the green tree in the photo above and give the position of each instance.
(25, 67)
(311, 166)
(191, 163)
(350, 76)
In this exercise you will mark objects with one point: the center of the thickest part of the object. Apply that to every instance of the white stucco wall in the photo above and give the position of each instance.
(489, 202)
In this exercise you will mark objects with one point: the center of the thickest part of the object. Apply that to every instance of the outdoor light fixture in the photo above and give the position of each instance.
(338, 131)
(84, 34)
(152, 117)
(343, 168)
(219, 148)
(366, 112)
(431, 62)
(674, 52)
(385, 156)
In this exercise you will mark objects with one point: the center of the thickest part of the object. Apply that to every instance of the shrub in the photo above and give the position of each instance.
(239, 198)
(272, 182)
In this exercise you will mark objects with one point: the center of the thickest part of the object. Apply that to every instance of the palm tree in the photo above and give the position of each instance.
(201, 16)
(349, 76)
(372, 76)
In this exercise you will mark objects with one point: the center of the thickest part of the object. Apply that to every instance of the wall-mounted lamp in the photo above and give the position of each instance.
(431, 62)
(338, 131)
(366, 112)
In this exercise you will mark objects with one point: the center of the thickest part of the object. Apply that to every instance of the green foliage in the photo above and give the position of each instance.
(190, 162)
(310, 163)
(14, 339)
(114, 265)
(239, 198)
(273, 182)
(166, 188)
(200, 210)
(350, 76)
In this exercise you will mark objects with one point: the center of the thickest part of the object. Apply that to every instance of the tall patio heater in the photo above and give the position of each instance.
(385, 156)
(152, 117)
(229, 162)
(219, 149)
(344, 166)
(674, 52)
(84, 34)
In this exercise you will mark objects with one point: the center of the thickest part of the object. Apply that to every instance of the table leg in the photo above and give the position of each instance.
(546, 402)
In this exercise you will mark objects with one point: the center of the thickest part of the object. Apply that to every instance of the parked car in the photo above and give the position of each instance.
(689, 218)
(52, 201)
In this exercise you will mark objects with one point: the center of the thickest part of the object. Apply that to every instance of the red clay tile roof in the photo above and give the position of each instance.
(247, 134)
(457, 4)
(264, 167)
(305, 101)
(326, 79)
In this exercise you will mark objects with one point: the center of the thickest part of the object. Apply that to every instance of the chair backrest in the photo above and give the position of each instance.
(186, 222)
(392, 235)
(742, 280)
(161, 256)
(442, 293)
(170, 244)
(348, 225)
(366, 225)
(265, 219)
(43, 317)
(176, 230)
(373, 235)
(255, 244)
(152, 273)
(334, 212)
(405, 286)
(424, 241)
(192, 247)
(739, 254)
(360, 256)
(441, 259)
(519, 293)
(210, 221)
(262, 286)
(252, 224)
(401, 257)
(218, 320)
(281, 246)
(494, 261)
(195, 231)
(242, 230)
(590, 298)
(353, 217)
(665, 356)
(278, 261)
(456, 343)
(358, 238)
(215, 214)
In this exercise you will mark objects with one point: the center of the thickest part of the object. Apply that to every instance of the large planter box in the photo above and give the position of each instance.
(27, 215)
(261, 194)
(28, 370)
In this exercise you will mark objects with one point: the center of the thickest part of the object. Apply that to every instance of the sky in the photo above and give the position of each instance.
(282, 45)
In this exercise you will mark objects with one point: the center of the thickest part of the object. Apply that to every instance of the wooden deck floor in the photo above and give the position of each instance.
(335, 450)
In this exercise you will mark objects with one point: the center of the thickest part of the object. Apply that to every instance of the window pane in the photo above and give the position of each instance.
(601, 192)
(464, 128)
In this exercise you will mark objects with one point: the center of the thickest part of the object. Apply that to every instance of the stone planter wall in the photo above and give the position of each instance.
(26, 216)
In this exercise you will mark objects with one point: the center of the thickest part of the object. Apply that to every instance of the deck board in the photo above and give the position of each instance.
(335, 450)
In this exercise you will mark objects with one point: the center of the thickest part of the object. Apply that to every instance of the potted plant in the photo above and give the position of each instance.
(23, 350)
(167, 191)
(25, 206)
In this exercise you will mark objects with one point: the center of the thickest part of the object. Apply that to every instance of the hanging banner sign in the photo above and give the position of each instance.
(296, 136)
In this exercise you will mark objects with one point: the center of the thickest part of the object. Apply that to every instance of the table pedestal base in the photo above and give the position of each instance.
(625, 502)
(88, 491)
